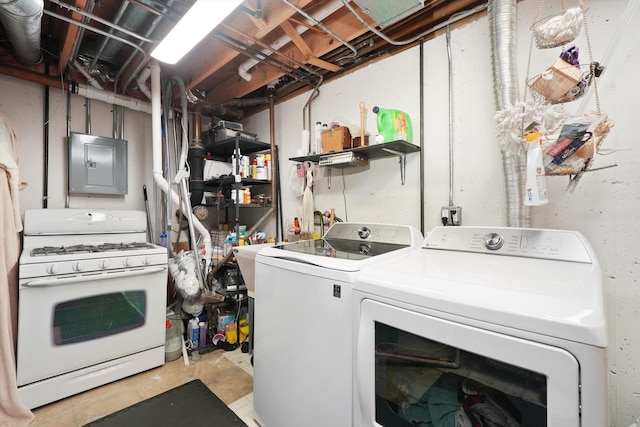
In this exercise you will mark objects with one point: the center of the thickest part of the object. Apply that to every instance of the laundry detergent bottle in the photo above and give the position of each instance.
(393, 125)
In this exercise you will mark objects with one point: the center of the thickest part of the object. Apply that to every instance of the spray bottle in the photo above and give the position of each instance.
(393, 125)
(535, 184)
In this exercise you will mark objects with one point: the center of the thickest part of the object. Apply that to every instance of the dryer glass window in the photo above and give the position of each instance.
(419, 381)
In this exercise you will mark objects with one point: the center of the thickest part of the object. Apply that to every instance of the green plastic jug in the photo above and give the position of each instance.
(393, 125)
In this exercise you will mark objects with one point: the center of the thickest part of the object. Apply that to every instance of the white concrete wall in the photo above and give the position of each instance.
(23, 103)
(605, 206)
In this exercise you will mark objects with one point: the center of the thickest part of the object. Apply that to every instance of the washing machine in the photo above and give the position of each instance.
(483, 326)
(303, 342)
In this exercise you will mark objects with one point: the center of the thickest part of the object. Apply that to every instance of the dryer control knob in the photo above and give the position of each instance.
(364, 232)
(493, 241)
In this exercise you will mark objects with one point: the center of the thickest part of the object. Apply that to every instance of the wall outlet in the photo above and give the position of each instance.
(451, 215)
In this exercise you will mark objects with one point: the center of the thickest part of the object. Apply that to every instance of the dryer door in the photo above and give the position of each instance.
(414, 368)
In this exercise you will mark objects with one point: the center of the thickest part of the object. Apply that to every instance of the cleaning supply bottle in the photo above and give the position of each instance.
(193, 332)
(393, 125)
(535, 184)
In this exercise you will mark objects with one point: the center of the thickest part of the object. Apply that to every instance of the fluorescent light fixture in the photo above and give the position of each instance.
(199, 21)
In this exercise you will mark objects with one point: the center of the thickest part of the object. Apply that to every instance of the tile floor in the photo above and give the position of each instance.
(228, 374)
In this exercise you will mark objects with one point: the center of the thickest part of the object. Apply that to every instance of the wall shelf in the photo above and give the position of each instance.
(247, 182)
(377, 151)
(223, 149)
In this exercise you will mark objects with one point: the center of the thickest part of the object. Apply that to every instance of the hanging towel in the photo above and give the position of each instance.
(12, 411)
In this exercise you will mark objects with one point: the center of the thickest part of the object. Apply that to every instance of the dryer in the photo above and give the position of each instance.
(303, 350)
(507, 324)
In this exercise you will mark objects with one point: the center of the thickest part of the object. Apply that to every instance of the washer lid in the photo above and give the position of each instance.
(349, 246)
(555, 298)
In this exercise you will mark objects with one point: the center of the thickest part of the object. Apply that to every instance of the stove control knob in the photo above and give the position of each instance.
(78, 266)
(493, 241)
(104, 264)
(52, 269)
(364, 232)
(146, 260)
(127, 262)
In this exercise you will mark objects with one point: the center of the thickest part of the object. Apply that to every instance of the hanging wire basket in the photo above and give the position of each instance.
(558, 29)
(562, 82)
(567, 154)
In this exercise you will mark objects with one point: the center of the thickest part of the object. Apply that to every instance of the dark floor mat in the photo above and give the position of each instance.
(191, 404)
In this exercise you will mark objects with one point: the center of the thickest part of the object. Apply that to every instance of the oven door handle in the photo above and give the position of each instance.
(92, 277)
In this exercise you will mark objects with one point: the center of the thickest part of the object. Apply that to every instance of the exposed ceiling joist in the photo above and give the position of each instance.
(285, 45)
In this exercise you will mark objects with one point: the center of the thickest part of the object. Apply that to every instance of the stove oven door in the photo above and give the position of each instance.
(414, 368)
(70, 323)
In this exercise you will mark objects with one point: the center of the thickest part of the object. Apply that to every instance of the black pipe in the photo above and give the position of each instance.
(195, 158)
(422, 162)
(45, 178)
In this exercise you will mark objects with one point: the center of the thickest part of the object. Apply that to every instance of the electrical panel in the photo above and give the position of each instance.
(97, 165)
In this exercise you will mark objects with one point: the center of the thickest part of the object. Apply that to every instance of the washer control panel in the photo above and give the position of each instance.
(381, 233)
(559, 245)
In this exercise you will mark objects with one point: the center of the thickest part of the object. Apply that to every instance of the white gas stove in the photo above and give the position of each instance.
(100, 290)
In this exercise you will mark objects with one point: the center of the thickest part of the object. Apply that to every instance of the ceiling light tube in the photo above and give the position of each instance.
(199, 21)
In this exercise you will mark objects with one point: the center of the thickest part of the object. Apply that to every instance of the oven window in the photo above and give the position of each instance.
(98, 316)
(423, 382)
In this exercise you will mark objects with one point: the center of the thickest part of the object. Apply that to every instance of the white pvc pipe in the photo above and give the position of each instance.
(142, 81)
(156, 136)
(114, 99)
(93, 82)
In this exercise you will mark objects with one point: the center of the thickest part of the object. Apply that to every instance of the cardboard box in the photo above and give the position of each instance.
(556, 82)
(357, 143)
(336, 139)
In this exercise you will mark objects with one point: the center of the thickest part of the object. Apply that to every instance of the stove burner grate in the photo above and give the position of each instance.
(85, 249)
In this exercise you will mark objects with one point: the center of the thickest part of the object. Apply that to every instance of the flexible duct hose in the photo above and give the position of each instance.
(502, 20)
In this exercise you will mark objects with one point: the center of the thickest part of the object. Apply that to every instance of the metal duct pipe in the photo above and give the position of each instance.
(502, 21)
(21, 21)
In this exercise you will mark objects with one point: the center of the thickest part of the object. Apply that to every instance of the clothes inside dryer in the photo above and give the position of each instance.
(426, 382)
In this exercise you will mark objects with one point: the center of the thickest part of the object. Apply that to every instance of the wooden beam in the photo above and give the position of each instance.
(322, 64)
(70, 36)
(296, 38)
(33, 76)
(274, 13)
(342, 23)
(310, 58)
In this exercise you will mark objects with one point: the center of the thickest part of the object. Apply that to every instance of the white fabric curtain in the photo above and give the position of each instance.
(12, 411)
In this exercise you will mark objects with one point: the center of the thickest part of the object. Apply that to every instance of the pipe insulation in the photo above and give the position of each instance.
(502, 21)
(156, 135)
(21, 22)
